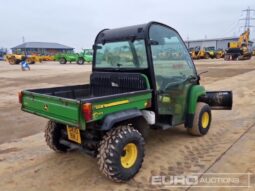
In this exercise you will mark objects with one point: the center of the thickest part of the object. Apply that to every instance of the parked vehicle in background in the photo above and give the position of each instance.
(212, 53)
(220, 53)
(85, 56)
(198, 53)
(239, 50)
(17, 58)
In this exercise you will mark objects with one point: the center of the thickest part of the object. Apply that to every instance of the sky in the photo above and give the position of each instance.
(76, 23)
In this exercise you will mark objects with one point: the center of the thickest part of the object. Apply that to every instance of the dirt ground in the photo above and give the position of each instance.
(26, 163)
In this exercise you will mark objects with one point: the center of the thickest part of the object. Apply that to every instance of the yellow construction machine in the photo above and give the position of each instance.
(17, 58)
(30, 59)
(14, 58)
(198, 53)
(239, 49)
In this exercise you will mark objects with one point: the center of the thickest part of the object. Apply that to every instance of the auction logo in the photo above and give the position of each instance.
(204, 180)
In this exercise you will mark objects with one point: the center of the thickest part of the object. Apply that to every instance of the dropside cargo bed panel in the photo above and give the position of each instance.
(63, 110)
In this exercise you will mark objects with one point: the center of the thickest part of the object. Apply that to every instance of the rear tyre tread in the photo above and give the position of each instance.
(52, 136)
(108, 150)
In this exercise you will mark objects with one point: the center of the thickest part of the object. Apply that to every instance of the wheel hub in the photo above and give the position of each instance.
(129, 155)
(205, 119)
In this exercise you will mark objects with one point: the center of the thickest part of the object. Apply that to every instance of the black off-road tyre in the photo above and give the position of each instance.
(53, 135)
(62, 61)
(227, 57)
(217, 56)
(111, 151)
(12, 61)
(29, 61)
(80, 61)
(199, 128)
(207, 55)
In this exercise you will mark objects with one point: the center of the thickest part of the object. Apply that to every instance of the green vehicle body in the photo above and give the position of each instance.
(134, 85)
(69, 111)
(79, 58)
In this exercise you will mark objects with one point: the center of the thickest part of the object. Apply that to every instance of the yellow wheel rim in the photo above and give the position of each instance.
(129, 155)
(205, 119)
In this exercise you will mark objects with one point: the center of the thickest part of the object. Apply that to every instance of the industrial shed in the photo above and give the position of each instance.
(218, 43)
(42, 48)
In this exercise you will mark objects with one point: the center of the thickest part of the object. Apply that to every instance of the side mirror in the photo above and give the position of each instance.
(202, 72)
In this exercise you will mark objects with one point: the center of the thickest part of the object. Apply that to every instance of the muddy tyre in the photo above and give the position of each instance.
(202, 120)
(62, 61)
(121, 153)
(53, 135)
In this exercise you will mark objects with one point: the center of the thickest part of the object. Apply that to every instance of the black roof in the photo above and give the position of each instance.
(47, 45)
(130, 32)
(126, 33)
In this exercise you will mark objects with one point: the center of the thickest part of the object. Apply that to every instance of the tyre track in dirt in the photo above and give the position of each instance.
(228, 149)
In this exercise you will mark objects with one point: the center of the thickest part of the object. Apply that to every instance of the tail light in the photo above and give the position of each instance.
(87, 111)
(148, 104)
(20, 95)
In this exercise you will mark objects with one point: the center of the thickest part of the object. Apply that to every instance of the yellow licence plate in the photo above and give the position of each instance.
(74, 134)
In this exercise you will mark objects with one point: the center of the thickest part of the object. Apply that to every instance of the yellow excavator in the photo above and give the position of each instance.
(239, 50)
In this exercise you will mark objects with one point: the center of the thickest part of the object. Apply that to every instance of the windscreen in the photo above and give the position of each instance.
(124, 54)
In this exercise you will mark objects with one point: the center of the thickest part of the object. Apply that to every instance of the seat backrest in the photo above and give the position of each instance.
(108, 83)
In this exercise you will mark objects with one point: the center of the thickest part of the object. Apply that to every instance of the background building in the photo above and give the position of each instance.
(218, 43)
(42, 48)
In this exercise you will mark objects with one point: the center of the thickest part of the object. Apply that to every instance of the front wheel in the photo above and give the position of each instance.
(80, 61)
(207, 56)
(202, 120)
(121, 153)
(62, 61)
(218, 56)
(12, 61)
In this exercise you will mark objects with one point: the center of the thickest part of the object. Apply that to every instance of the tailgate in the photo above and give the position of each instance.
(62, 110)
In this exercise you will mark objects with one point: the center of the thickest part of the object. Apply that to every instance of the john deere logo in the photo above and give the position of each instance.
(45, 107)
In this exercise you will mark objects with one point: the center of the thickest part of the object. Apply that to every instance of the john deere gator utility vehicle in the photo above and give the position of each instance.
(131, 89)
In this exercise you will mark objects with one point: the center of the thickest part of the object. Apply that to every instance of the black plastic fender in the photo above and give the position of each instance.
(114, 118)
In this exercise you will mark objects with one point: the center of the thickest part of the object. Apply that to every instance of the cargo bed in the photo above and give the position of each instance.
(106, 93)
